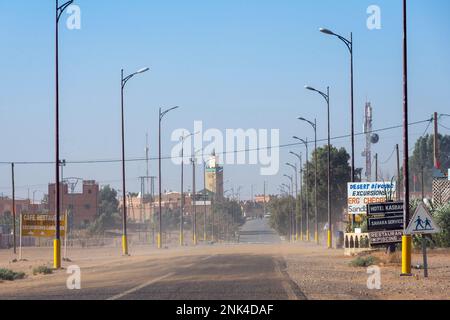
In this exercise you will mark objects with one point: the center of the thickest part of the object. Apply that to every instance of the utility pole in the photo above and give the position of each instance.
(376, 167)
(398, 173)
(301, 199)
(194, 207)
(147, 155)
(205, 193)
(264, 202)
(437, 163)
(141, 209)
(13, 207)
(182, 196)
(407, 239)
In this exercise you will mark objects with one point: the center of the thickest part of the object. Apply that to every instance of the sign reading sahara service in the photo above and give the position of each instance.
(422, 222)
(385, 216)
(41, 226)
(364, 193)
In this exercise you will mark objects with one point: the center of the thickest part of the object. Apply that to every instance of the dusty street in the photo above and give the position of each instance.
(260, 267)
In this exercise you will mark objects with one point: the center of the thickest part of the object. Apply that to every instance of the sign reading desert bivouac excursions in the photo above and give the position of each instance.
(362, 194)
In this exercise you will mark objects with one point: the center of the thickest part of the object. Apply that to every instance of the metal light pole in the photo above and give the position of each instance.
(161, 116)
(296, 202)
(314, 126)
(123, 82)
(205, 233)
(194, 207)
(349, 44)
(288, 193)
(300, 159)
(305, 142)
(13, 185)
(326, 96)
(407, 239)
(183, 139)
(291, 191)
(57, 242)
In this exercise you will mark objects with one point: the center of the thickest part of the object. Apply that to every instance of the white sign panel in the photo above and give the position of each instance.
(363, 193)
(422, 222)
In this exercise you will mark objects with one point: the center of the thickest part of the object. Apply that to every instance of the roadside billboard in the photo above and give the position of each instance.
(41, 225)
(361, 194)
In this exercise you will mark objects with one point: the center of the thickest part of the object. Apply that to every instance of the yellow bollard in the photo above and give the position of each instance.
(316, 237)
(195, 240)
(159, 241)
(57, 254)
(307, 236)
(406, 255)
(124, 245)
(330, 240)
(181, 240)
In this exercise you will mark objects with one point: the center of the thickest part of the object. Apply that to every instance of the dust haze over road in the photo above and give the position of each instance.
(258, 231)
(251, 270)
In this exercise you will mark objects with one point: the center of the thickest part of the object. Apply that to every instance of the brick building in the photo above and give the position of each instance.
(140, 210)
(22, 206)
(82, 206)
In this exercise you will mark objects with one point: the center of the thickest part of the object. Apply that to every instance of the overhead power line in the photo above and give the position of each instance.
(223, 153)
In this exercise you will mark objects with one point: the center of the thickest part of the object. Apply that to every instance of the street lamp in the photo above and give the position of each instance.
(291, 189)
(183, 139)
(300, 159)
(123, 82)
(326, 96)
(314, 126)
(162, 114)
(305, 142)
(57, 242)
(194, 196)
(349, 44)
(296, 202)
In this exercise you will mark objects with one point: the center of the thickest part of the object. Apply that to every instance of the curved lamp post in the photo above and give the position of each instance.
(57, 241)
(300, 171)
(124, 81)
(305, 142)
(162, 114)
(349, 44)
(183, 139)
(295, 223)
(314, 126)
(326, 96)
(291, 189)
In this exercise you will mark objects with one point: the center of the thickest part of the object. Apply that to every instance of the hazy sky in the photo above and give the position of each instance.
(232, 64)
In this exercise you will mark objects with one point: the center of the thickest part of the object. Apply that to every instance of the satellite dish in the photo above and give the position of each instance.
(375, 138)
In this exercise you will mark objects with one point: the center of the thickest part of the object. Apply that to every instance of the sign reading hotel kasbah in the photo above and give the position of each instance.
(362, 194)
(41, 226)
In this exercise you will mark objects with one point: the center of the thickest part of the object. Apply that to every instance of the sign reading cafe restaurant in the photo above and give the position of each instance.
(361, 194)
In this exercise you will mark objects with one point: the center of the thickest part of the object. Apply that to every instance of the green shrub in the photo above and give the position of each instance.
(9, 275)
(364, 262)
(442, 216)
(42, 270)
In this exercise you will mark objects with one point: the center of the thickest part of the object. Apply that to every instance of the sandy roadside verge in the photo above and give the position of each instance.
(326, 274)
